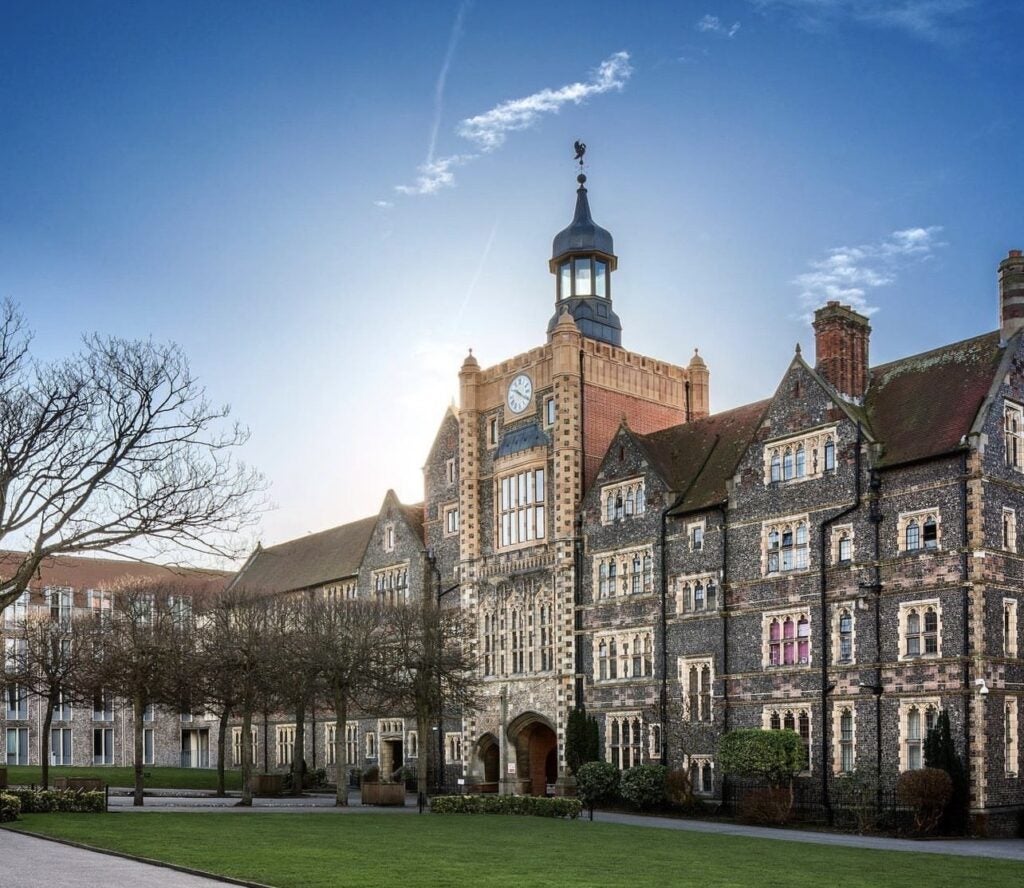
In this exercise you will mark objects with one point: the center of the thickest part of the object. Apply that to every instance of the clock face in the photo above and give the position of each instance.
(520, 391)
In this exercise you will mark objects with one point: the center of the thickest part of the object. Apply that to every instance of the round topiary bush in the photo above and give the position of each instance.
(644, 786)
(10, 807)
(597, 783)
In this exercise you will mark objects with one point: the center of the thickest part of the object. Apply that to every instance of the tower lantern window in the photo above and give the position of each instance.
(584, 281)
(600, 278)
(564, 281)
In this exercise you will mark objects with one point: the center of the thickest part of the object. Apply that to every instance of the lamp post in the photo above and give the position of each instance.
(440, 593)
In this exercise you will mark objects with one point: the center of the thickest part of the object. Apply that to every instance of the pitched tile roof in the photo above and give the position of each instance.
(697, 458)
(312, 560)
(82, 572)
(922, 406)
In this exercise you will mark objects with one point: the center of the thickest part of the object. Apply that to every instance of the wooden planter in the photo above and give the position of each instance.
(388, 794)
(267, 784)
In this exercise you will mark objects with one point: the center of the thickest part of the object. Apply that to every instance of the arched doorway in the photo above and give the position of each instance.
(536, 750)
(489, 754)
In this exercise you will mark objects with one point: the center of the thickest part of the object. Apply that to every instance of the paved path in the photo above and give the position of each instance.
(36, 863)
(1000, 849)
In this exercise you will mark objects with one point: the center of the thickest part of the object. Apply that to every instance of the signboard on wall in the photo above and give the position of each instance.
(511, 769)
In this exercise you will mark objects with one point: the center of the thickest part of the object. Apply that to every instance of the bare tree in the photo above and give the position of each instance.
(347, 639)
(430, 666)
(239, 623)
(117, 445)
(48, 664)
(136, 653)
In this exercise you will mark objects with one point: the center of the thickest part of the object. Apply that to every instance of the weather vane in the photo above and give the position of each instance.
(580, 149)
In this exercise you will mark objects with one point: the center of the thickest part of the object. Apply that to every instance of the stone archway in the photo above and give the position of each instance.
(488, 753)
(536, 752)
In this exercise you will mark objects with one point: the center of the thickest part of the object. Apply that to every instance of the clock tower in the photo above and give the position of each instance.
(532, 431)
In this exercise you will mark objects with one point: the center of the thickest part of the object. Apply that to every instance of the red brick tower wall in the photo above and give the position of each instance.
(604, 410)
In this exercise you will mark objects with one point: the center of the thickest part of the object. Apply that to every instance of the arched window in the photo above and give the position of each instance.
(693, 696)
(788, 722)
(803, 640)
(776, 470)
(648, 656)
(613, 663)
(830, 455)
(787, 465)
(630, 502)
(931, 631)
(707, 782)
(602, 660)
(845, 547)
(698, 596)
(705, 693)
(914, 739)
(801, 462)
(612, 569)
(711, 594)
(638, 662)
(636, 577)
(774, 643)
(846, 741)
(913, 634)
(603, 581)
(774, 723)
(931, 533)
(788, 642)
(610, 508)
(845, 636)
(619, 508)
(913, 536)
(648, 573)
(641, 504)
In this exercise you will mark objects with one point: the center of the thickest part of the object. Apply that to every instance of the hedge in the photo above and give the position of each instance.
(59, 801)
(10, 807)
(534, 806)
(644, 786)
(597, 783)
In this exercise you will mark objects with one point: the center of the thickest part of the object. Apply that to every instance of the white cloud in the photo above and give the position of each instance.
(488, 131)
(384, 204)
(934, 20)
(849, 274)
(712, 24)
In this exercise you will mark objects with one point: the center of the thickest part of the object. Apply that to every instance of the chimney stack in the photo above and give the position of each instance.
(841, 346)
(1011, 295)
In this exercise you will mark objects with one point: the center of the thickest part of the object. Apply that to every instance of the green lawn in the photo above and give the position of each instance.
(159, 778)
(311, 850)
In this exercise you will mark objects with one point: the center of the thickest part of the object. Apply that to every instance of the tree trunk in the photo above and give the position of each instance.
(422, 758)
(340, 771)
(222, 738)
(44, 751)
(137, 715)
(299, 751)
(246, 757)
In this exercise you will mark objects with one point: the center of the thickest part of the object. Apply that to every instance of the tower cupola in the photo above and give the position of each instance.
(582, 260)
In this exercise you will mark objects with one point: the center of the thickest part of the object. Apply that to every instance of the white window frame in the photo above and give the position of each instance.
(106, 756)
(17, 610)
(911, 746)
(1011, 737)
(615, 573)
(616, 649)
(453, 746)
(21, 752)
(148, 746)
(850, 609)
(698, 703)
(920, 607)
(838, 708)
(841, 533)
(1013, 435)
(695, 533)
(450, 515)
(15, 703)
(920, 517)
(624, 499)
(285, 744)
(1008, 530)
(697, 766)
(520, 496)
(62, 747)
(688, 602)
(1009, 627)
(813, 446)
(628, 754)
(774, 531)
(767, 618)
(449, 471)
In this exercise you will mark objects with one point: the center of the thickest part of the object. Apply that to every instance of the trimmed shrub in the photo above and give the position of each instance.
(10, 807)
(597, 783)
(531, 806)
(582, 740)
(59, 801)
(775, 756)
(927, 791)
(940, 752)
(644, 786)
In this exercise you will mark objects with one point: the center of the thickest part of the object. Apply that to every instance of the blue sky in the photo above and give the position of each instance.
(326, 204)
